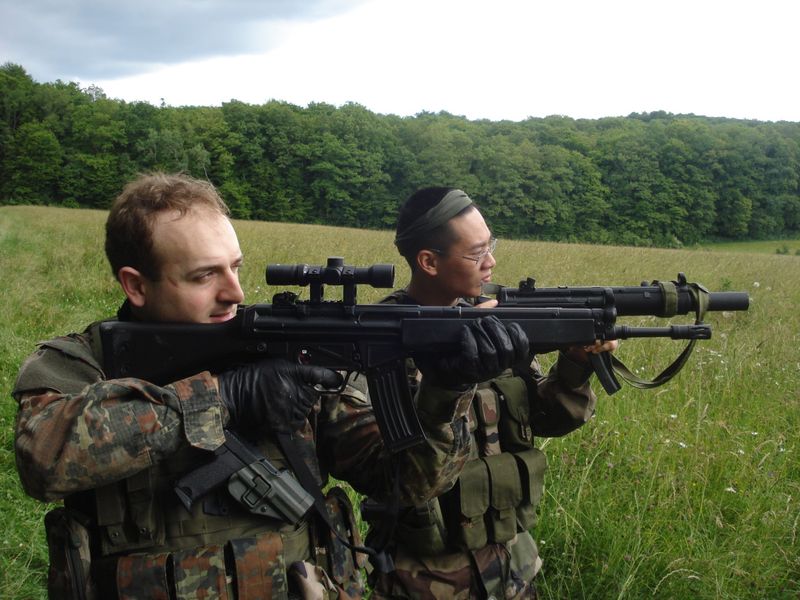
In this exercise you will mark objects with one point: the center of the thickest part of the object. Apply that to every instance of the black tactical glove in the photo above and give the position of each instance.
(487, 349)
(273, 392)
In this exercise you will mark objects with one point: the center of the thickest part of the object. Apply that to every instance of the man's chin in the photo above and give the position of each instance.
(475, 292)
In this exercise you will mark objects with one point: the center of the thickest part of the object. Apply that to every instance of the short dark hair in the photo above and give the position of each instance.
(129, 236)
(440, 238)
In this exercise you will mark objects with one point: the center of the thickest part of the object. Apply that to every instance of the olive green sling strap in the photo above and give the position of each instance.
(669, 289)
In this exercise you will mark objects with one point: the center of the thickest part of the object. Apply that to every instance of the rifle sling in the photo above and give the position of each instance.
(700, 297)
(306, 479)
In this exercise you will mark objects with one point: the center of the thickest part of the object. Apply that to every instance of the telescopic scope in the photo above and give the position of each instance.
(334, 273)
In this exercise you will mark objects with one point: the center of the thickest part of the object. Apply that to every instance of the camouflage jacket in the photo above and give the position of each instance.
(79, 435)
(474, 541)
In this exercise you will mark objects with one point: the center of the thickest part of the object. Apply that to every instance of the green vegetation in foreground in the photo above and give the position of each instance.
(687, 491)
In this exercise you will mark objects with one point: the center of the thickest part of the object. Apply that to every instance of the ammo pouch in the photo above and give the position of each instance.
(494, 498)
(128, 515)
(532, 465)
(516, 437)
(69, 574)
(514, 427)
(504, 497)
(246, 568)
(467, 504)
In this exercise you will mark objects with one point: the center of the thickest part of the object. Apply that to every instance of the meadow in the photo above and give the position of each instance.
(791, 246)
(691, 490)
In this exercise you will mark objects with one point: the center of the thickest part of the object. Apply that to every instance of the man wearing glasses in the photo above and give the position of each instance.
(473, 541)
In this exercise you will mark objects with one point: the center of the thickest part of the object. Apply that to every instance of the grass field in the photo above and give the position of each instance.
(688, 491)
(791, 247)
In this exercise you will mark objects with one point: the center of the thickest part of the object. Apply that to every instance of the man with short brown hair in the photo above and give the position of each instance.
(113, 448)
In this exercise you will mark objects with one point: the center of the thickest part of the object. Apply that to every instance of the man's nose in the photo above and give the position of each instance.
(231, 290)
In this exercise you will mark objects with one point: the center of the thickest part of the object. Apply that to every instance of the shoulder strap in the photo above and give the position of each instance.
(306, 479)
(669, 289)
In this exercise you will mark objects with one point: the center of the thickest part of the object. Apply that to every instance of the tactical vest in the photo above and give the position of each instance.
(133, 538)
(496, 494)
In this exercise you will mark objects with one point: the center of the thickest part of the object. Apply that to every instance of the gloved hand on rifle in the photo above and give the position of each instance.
(273, 393)
(487, 348)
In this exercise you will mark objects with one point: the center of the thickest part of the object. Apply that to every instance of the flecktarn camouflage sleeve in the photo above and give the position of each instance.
(431, 468)
(110, 430)
(563, 399)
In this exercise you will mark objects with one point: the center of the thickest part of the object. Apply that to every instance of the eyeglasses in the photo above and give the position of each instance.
(477, 258)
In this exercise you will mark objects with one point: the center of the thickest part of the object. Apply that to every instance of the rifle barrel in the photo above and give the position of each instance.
(628, 301)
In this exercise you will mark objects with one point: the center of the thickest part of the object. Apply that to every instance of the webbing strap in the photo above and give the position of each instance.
(306, 479)
(669, 290)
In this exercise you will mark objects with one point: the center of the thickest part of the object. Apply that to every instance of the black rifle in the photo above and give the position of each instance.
(659, 298)
(375, 339)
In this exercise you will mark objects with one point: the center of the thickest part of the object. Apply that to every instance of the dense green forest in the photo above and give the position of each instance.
(646, 179)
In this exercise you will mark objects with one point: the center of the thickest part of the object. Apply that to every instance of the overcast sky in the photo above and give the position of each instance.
(493, 59)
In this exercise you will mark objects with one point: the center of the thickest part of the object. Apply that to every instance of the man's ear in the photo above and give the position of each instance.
(428, 262)
(134, 284)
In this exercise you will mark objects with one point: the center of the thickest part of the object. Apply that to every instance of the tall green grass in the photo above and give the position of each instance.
(791, 246)
(691, 490)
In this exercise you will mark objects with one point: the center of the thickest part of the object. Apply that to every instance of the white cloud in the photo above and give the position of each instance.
(510, 59)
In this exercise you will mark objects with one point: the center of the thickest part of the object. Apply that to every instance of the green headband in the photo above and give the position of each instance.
(448, 207)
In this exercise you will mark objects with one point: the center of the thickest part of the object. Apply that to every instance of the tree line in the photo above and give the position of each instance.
(653, 179)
